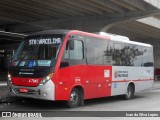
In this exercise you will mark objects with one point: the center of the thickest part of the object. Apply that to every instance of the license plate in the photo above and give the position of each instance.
(23, 90)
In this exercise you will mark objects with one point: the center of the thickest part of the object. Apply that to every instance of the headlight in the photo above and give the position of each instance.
(9, 79)
(46, 79)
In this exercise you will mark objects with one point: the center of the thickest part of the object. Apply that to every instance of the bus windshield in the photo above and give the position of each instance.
(37, 51)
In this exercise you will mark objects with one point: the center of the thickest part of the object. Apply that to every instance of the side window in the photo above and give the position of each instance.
(118, 55)
(127, 55)
(147, 56)
(74, 50)
(96, 51)
(108, 53)
(99, 51)
(136, 55)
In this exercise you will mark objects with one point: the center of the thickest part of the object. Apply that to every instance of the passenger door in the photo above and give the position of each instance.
(73, 63)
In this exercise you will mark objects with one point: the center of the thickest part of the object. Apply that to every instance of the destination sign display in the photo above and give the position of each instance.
(45, 41)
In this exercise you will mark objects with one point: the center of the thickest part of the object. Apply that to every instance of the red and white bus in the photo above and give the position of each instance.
(75, 65)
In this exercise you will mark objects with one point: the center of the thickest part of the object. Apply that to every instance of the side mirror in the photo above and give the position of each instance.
(64, 64)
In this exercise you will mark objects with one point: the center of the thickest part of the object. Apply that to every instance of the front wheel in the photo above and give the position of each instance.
(75, 98)
(130, 92)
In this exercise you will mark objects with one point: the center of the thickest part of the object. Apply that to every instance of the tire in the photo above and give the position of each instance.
(75, 98)
(130, 92)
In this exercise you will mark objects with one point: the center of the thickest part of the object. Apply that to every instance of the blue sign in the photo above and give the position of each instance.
(115, 85)
(30, 65)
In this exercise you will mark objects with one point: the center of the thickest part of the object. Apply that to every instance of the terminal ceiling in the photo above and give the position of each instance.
(27, 16)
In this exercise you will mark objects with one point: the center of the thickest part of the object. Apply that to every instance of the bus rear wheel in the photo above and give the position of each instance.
(130, 92)
(75, 98)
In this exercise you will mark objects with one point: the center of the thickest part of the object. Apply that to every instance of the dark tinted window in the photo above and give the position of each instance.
(106, 52)
(129, 54)
(97, 51)
(118, 55)
(135, 55)
(125, 54)
(147, 56)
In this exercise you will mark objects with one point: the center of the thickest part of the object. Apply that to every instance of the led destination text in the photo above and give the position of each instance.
(45, 41)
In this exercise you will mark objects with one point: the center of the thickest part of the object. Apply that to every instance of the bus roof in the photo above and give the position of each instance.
(124, 39)
(113, 37)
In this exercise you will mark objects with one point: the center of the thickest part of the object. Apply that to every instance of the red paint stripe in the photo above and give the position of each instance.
(89, 34)
(132, 80)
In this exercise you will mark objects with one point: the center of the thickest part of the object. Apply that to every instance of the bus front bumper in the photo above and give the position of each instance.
(44, 92)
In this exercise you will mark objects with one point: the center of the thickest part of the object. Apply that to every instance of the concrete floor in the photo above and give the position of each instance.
(144, 101)
(148, 100)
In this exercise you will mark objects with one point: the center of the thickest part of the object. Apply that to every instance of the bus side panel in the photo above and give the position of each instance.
(142, 77)
(67, 78)
(142, 85)
(97, 81)
(118, 88)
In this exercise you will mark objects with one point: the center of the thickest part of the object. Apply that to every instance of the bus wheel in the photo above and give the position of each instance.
(75, 98)
(130, 92)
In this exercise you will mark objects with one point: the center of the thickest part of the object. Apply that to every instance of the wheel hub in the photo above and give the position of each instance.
(74, 97)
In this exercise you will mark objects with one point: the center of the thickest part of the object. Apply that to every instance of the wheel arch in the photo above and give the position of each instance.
(80, 91)
(79, 87)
